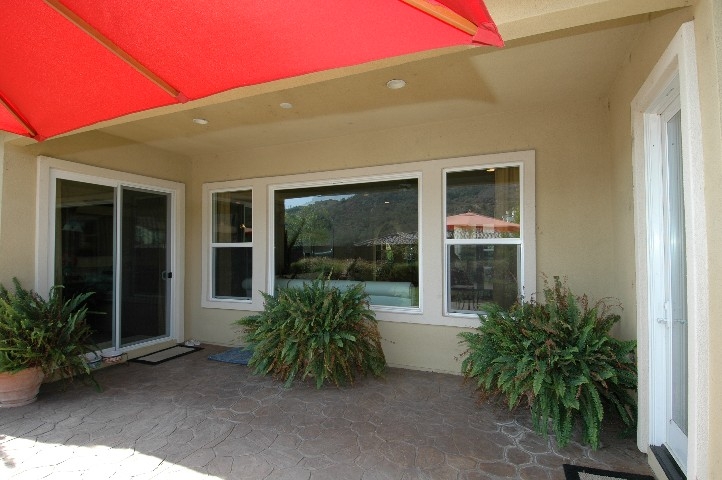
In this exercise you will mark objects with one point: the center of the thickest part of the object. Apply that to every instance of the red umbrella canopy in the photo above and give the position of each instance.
(67, 64)
(471, 219)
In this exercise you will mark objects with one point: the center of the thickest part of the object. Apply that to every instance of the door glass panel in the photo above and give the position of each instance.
(678, 274)
(144, 271)
(84, 233)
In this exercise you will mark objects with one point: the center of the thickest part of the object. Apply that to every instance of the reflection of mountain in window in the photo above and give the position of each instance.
(353, 232)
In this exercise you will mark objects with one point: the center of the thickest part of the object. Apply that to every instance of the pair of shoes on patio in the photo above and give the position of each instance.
(192, 343)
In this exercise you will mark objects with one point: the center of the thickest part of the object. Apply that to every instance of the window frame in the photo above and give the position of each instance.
(50, 169)
(520, 241)
(210, 245)
(215, 245)
(351, 180)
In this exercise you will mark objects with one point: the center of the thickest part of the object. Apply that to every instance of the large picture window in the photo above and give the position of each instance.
(365, 232)
(483, 238)
(232, 245)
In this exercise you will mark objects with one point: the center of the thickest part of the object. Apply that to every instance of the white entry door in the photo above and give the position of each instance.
(668, 277)
(676, 277)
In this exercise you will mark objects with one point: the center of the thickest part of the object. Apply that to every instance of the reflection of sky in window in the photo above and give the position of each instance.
(302, 201)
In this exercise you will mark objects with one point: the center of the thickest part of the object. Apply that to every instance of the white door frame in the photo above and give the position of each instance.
(679, 60)
(51, 168)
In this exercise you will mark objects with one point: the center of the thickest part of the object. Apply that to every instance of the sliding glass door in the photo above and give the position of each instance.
(144, 264)
(113, 241)
(84, 250)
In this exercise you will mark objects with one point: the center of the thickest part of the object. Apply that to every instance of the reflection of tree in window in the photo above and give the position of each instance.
(310, 227)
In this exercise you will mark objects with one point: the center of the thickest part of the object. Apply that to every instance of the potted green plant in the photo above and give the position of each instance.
(559, 359)
(315, 331)
(40, 338)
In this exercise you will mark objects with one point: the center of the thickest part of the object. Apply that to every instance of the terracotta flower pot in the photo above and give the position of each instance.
(20, 388)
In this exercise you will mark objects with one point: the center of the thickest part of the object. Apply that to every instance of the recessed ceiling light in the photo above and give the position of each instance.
(395, 84)
(286, 105)
(200, 121)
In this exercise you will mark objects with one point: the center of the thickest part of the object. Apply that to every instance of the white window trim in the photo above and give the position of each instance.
(255, 302)
(679, 59)
(49, 169)
(432, 229)
(210, 279)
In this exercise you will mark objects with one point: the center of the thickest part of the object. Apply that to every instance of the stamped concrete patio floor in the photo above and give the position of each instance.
(194, 418)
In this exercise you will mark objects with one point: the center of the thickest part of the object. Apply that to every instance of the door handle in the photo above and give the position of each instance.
(166, 275)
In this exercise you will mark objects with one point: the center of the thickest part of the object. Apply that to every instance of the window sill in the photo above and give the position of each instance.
(229, 304)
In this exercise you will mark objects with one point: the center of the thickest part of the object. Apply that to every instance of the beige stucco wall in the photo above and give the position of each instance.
(709, 52)
(573, 204)
(17, 232)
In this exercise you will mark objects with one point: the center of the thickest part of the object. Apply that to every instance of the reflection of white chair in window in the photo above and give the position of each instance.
(247, 285)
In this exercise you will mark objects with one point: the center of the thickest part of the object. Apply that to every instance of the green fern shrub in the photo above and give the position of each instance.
(51, 333)
(315, 331)
(558, 359)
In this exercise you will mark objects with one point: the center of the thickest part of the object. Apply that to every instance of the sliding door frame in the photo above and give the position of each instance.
(50, 169)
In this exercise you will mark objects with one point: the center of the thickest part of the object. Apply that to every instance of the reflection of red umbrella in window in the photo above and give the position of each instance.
(479, 222)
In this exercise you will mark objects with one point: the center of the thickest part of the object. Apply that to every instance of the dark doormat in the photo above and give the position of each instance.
(575, 472)
(238, 356)
(166, 354)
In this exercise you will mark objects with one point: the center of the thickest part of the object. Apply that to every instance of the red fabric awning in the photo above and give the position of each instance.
(66, 64)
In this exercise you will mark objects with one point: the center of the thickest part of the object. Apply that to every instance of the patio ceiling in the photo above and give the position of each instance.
(456, 83)
(564, 50)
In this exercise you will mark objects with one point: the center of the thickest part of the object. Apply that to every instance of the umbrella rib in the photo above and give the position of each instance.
(18, 117)
(74, 18)
(444, 14)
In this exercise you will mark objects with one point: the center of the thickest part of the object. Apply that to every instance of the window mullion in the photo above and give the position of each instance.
(486, 241)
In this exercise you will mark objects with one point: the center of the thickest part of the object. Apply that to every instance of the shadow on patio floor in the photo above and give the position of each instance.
(194, 418)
